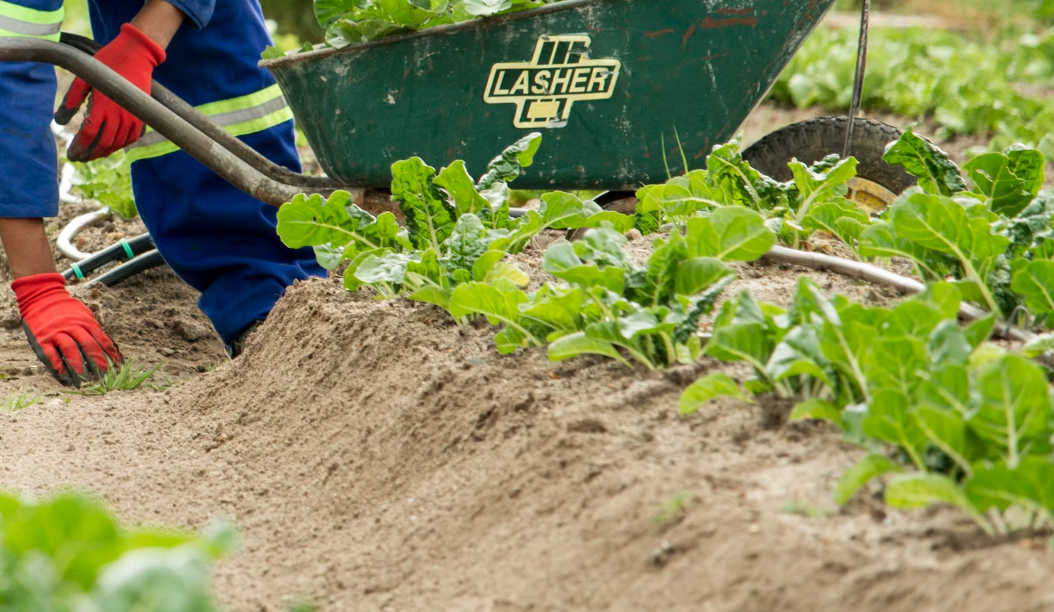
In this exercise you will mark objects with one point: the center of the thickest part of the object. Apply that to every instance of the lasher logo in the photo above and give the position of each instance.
(560, 74)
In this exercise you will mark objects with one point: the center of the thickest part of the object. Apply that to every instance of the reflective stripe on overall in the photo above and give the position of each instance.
(21, 22)
(219, 240)
(238, 116)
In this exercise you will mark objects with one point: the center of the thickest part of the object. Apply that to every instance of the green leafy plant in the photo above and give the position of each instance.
(650, 313)
(352, 21)
(108, 181)
(458, 230)
(671, 511)
(969, 422)
(815, 200)
(966, 86)
(68, 554)
(993, 239)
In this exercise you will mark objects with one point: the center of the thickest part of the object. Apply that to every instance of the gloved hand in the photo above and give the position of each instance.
(108, 127)
(62, 331)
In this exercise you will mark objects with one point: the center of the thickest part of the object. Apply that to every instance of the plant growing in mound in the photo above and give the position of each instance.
(68, 554)
(457, 230)
(129, 376)
(652, 313)
(814, 200)
(970, 423)
(995, 240)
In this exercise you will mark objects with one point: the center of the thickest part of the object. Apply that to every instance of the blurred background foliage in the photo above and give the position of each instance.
(296, 18)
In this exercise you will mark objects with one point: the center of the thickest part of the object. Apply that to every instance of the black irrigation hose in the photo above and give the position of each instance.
(128, 249)
(125, 271)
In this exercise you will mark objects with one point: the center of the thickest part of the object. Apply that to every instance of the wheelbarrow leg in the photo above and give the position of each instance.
(858, 82)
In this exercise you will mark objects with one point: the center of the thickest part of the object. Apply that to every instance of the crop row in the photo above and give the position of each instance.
(967, 419)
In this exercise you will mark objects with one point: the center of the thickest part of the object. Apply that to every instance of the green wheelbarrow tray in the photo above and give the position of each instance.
(613, 86)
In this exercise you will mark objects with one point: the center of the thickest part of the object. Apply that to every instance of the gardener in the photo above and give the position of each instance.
(217, 239)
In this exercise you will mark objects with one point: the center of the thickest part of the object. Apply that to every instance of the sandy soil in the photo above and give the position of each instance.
(379, 457)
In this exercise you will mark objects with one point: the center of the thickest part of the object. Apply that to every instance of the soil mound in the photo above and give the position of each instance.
(379, 457)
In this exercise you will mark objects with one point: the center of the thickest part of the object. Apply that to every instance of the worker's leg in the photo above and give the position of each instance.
(61, 331)
(28, 158)
(219, 240)
(29, 189)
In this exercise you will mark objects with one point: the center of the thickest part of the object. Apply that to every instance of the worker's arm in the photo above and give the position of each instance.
(26, 246)
(62, 331)
(137, 50)
(160, 21)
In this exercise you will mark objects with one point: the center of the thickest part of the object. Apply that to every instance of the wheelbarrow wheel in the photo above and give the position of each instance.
(877, 184)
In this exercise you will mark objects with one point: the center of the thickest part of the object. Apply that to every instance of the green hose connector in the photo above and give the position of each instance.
(127, 249)
(77, 271)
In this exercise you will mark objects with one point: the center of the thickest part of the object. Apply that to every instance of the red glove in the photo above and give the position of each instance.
(108, 127)
(62, 331)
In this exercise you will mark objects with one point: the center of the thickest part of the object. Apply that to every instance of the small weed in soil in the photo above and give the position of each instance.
(672, 511)
(804, 509)
(129, 377)
(19, 401)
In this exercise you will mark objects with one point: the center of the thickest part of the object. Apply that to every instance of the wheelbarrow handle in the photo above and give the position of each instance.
(172, 126)
(194, 117)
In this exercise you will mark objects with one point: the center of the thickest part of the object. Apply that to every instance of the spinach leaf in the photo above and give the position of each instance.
(428, 215)
(937, 173)
(707, 389)
(730, 234)
(994, 177)
(865, 470)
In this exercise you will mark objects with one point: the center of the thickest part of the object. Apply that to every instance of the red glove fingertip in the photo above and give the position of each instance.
(72, 102)
(94, 351)
(56, 360)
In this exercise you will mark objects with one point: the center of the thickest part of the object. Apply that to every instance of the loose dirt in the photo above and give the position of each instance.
(379, 457)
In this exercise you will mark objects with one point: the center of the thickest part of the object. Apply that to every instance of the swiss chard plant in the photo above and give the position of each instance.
(993, 238)
(968, 423)
(814, 200)
(652, 313)
(603, 303)
(352, 21)
(923, 72)
(68, 554)
(457, 229)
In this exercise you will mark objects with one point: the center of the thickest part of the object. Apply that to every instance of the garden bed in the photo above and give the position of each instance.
(378, 456)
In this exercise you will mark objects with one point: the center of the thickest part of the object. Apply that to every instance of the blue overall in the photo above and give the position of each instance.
(216, 238)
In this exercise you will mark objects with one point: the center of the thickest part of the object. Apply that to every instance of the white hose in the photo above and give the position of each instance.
(66, 185)
(878, 276)
(67, 234)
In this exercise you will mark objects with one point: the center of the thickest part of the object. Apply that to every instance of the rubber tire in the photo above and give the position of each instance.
(811, 141)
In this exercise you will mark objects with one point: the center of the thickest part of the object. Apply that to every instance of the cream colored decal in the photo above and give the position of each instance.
(560, 74)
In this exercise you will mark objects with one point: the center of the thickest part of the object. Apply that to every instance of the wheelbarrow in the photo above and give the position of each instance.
(619, 89)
